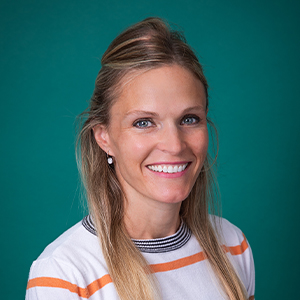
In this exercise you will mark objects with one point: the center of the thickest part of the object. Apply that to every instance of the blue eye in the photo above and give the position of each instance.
(142, 123)
(190, 120)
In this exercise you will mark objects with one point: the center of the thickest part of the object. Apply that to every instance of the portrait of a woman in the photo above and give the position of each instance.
(151, 232)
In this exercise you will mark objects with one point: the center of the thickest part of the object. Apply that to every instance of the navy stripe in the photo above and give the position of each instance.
(170, 243)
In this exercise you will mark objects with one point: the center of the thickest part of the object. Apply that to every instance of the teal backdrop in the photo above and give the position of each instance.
(50, 56)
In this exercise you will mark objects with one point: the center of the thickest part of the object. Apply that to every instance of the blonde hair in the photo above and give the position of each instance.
(146, 45)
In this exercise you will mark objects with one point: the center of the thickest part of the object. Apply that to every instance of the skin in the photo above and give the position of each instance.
(158, 119)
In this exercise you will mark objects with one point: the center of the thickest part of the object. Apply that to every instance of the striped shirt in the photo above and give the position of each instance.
(73, 267)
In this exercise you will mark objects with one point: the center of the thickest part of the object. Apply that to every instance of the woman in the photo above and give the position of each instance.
(148, 178)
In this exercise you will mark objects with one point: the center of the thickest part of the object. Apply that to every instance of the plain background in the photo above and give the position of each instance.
(50, 56)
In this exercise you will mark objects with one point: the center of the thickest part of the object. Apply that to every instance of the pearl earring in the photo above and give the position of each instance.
(109, 158)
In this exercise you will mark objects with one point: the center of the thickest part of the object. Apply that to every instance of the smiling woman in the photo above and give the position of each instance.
(148, 179)
(158, 123)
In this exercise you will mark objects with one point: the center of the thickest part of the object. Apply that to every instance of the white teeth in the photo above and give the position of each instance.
(168, 168)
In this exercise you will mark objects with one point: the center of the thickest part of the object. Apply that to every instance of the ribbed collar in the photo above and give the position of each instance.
(166, 244)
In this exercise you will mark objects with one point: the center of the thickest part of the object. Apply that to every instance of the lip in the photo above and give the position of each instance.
(170, 163)
(169, 175)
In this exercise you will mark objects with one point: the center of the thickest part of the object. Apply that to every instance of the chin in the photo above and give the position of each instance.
(172, 198)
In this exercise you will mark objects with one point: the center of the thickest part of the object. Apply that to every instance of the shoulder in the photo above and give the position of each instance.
(69, 264)
(238, 249)
(229, 234)
(72, 242)
(66, 252)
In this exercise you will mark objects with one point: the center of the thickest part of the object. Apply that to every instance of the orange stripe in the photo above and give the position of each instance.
(179, 263)
(98, 284)
(189, 260)
(101, 282)
(57, 283)
(63, 284)
(236, 250)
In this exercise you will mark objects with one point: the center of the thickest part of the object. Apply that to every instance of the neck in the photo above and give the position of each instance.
(151, 222)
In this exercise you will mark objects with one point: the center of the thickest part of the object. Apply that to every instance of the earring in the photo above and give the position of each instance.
(109, 158)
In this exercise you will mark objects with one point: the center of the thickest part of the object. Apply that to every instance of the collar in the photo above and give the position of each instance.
(160, 245)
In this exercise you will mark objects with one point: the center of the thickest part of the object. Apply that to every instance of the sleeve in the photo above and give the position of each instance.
(50, 279)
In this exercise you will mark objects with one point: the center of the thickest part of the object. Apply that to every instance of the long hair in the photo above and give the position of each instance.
(144, 46)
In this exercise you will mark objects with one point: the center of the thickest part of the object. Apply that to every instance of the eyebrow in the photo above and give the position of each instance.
(198, 107)
(151, 113)
(143, 112)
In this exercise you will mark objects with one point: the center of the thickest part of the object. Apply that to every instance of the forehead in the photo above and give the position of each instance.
(168, 84)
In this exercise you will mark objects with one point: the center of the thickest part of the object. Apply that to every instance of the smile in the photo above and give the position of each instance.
(167, 168)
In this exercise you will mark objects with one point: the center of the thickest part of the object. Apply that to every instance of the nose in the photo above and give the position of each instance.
(172, 140)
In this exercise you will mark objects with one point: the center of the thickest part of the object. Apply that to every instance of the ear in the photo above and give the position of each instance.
(102, 137)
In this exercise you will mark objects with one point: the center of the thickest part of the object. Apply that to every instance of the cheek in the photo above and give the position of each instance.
(200, 144)
(131, 149)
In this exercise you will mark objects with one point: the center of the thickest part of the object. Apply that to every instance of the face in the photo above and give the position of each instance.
(157, 135)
